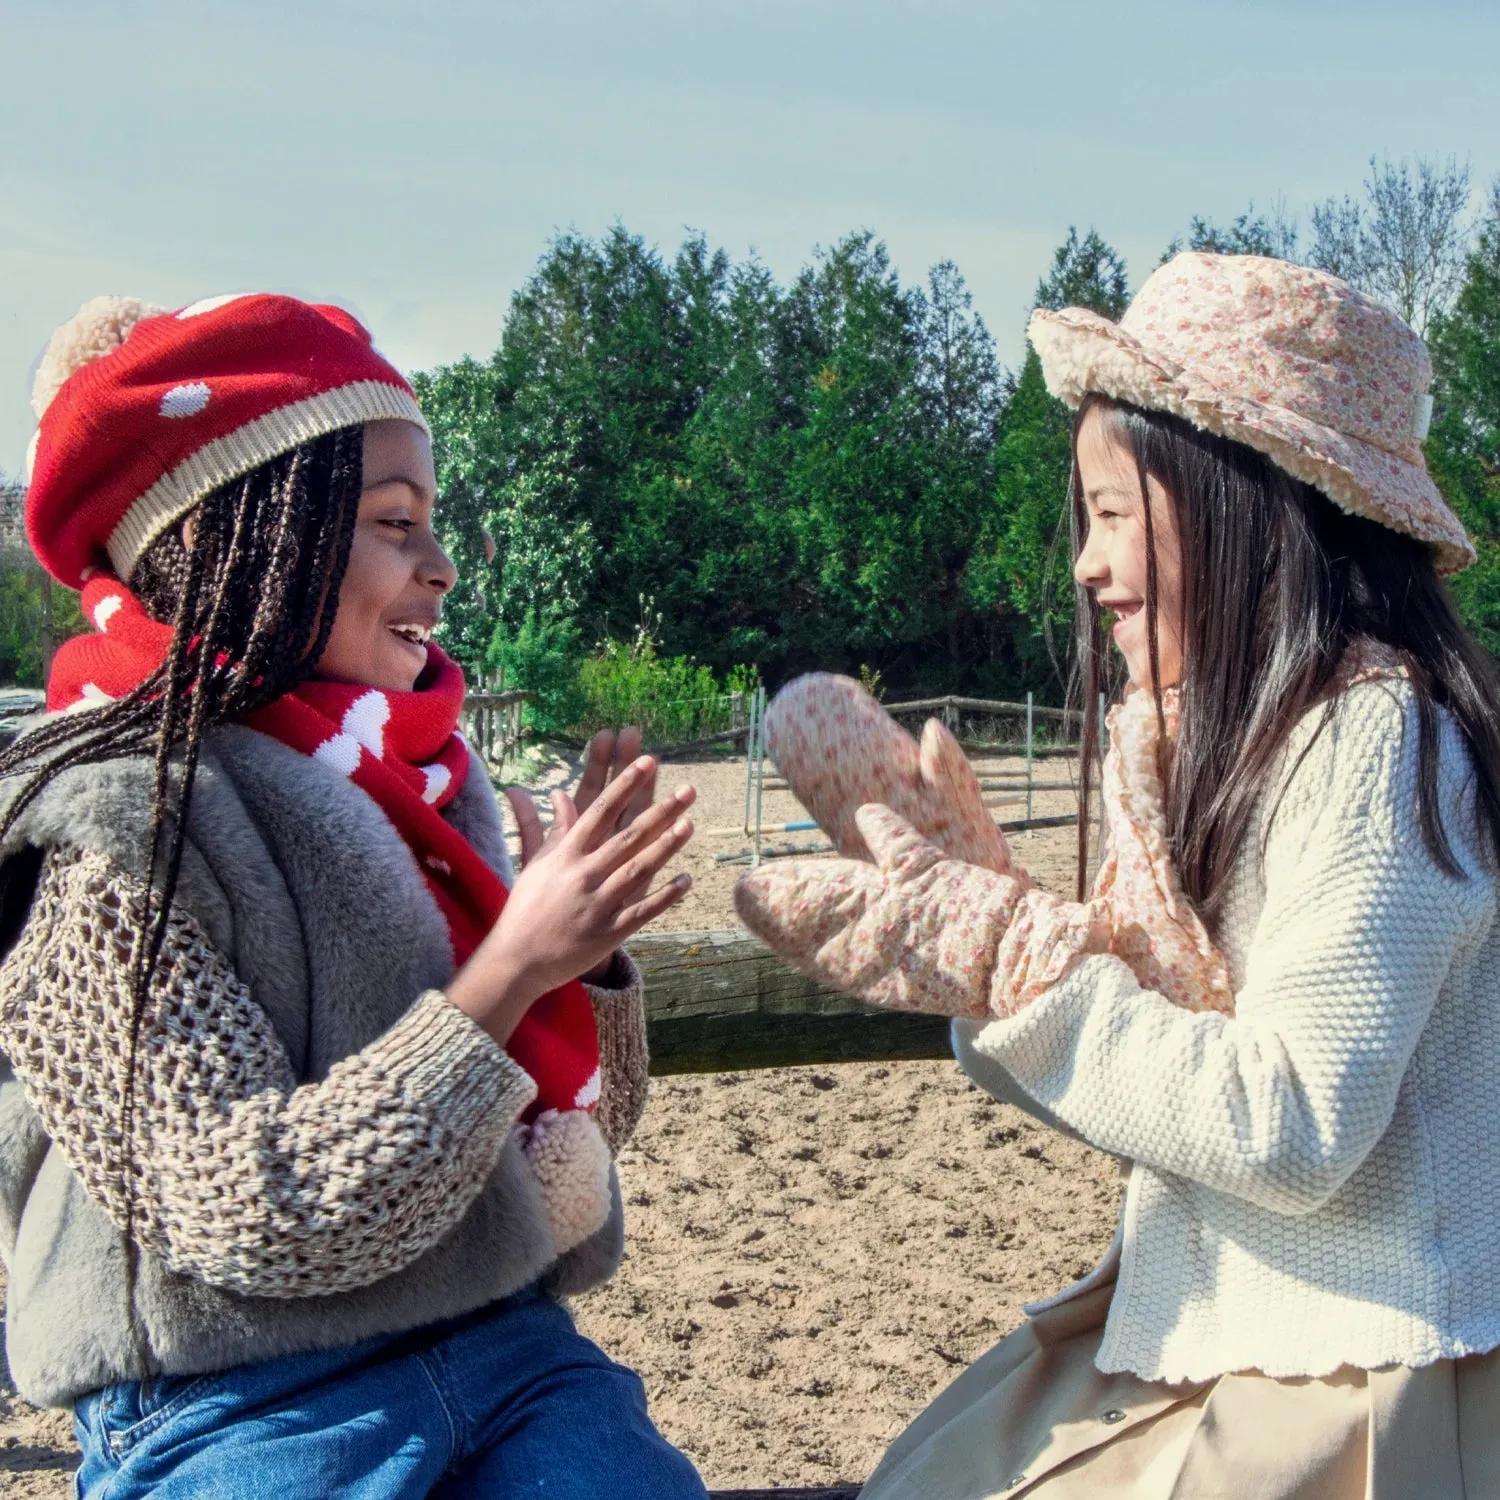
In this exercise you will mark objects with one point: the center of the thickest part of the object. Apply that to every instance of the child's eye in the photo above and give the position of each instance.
(401, 523)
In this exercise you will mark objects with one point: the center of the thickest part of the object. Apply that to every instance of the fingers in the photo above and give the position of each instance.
(627, 749)
(564, 814)
(635, 916)
(595, 825)
(627, 746)
(603, 751)
(528, 822)
(633, 857)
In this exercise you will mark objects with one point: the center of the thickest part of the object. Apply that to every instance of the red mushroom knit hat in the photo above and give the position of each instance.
(143, 412)
(1292, 362)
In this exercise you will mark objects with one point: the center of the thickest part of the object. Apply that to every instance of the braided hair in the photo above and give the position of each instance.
(250, 592)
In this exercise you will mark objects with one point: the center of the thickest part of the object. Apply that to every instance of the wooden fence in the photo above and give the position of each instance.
(721, 1001)
(496, 726)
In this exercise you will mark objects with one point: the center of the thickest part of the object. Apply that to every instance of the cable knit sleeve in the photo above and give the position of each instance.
(1280, 1103)
(243, 1178)
(619, 1003)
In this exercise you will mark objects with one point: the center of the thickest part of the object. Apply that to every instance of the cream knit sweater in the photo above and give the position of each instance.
(1316, 1179)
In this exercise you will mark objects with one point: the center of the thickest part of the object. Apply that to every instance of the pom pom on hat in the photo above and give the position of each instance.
(98, 328)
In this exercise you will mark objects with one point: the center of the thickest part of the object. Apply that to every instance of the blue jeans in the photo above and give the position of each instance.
(510, 1401)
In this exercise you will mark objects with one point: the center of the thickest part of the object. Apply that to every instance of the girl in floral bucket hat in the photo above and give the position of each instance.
(1279, 1003)
(307, 1102)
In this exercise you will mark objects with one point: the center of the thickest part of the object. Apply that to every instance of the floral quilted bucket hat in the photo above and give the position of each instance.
(1292, 362)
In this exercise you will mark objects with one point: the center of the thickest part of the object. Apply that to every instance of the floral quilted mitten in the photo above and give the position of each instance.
(839, 750)
(918, 930)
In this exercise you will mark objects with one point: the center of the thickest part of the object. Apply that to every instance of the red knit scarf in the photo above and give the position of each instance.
(405, 751)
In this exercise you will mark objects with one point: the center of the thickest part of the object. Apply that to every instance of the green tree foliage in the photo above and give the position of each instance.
(1021, 565)
(21, 607)
(1021, 569)
(796, 475)
(1085, 273)
(1463, 449)
(1271, 233)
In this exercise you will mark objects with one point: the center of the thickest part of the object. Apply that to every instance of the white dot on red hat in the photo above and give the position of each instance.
(105, 609)
(211, 304)
(185, 400)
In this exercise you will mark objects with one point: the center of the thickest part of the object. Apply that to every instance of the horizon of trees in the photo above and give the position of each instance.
(839, 472)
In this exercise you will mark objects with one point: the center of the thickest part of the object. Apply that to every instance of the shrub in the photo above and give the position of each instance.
(21, 617)
(543, 656)
(671, 698)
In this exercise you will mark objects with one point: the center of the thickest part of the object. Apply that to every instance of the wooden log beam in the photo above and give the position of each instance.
(722, 1002)
(837, 1492)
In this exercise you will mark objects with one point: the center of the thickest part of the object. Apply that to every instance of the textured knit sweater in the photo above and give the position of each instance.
(325, 1148)
(1316, 1179)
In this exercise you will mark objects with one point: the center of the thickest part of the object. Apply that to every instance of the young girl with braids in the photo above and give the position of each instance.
(1280, 1003)
(306, 1115)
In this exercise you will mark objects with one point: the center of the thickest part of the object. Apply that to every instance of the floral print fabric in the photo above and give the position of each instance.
(1325, 381)
(944, 920)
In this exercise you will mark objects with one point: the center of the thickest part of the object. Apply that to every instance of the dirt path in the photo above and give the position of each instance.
(813, 1252)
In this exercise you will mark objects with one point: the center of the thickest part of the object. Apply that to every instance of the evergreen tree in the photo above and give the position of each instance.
(1463, 449)
(1021, 568)
(1273, 233)
(1084, 273)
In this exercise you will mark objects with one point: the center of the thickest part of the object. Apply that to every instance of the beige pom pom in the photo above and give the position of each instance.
(98, 328)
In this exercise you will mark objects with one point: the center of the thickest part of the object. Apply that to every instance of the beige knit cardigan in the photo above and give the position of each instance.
(1316, 1179)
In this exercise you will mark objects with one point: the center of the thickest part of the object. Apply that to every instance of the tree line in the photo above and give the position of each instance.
(682, 458)
(839, 472)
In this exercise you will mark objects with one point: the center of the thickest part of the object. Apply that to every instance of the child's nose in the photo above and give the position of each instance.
(440, 573)
(1091, 571)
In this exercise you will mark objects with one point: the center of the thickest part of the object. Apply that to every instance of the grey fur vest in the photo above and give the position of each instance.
(297, 877)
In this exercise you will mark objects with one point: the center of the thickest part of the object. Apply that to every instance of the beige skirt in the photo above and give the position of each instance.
(1034, 1417)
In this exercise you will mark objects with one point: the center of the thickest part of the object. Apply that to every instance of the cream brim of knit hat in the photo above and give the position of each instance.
(1082, 353)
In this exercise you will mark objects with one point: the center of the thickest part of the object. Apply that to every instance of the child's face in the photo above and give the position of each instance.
(1113, 560)
(391, 598)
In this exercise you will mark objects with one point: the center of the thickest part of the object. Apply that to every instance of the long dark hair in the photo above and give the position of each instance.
(1277, 584)
(251, 599)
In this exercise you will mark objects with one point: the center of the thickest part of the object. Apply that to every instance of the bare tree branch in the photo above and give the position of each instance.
(1406, 242)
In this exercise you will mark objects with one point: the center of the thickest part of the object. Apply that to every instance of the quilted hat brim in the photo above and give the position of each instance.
(1083, 352)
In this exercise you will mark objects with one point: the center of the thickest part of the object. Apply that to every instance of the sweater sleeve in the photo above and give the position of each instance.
(619, 1003)
(243, 1178)
(1280, 1103)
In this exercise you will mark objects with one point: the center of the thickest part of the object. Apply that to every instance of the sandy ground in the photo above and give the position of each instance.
(813, 1252)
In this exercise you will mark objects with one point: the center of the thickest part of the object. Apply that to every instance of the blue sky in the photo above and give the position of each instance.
(411, 161)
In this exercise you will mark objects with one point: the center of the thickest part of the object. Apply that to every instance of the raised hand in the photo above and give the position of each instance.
(583, 891)
(607, 756)
(839, 750)
(918, 930)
